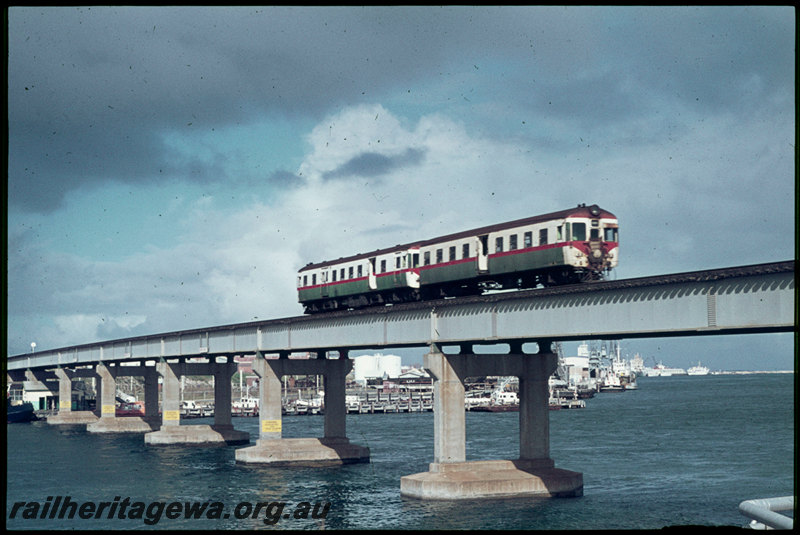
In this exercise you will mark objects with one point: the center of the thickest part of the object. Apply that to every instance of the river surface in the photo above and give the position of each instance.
(678, 451)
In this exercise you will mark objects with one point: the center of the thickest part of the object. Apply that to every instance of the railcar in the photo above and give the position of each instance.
(565, 247)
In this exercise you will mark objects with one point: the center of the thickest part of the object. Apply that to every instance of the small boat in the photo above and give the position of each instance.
(22, 412)
(499, 401)
(612, 383)
(566, 403)
(497, 408)
(133, 408)
(245, 407)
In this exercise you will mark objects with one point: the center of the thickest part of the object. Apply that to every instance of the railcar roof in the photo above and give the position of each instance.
(579, 211)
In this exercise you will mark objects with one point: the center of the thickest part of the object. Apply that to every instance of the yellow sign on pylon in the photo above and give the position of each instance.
(270, 426)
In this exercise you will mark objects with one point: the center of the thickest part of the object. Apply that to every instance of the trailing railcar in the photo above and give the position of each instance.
(569, 246)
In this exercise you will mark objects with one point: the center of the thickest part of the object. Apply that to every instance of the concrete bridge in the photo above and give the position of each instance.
(747, 299)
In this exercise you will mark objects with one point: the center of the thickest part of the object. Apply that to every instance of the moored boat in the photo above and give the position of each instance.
(22, 412)
(611, 383)
(133, 408)
(496, 408)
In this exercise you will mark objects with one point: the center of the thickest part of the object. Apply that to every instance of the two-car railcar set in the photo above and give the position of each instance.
(575, 245)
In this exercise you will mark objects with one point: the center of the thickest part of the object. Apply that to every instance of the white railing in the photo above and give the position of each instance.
(763, 512)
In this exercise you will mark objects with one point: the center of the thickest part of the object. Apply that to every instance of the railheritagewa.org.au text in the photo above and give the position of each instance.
(151, 513)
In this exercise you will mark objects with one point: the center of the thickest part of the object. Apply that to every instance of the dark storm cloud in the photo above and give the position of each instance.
(711, 57)
(92, 92)
(285, 179)
(600, 67)
(373, 164)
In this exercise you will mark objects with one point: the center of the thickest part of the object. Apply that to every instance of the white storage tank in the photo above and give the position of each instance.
(372, 366)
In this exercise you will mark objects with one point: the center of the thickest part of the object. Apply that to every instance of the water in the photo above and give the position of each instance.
(678, 451)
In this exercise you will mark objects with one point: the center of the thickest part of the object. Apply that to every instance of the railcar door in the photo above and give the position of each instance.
(371, 278)
(483, 253)
(324, 280)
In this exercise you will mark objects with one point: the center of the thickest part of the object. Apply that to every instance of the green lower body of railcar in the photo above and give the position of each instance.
(390, 281)
(441, 274)
(526, 261)
(333, 291)
(499, 266)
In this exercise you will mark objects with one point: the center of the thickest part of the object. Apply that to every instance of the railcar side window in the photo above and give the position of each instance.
(333, 275)
(350, 272)
(498, 244)
(342, 274)
(426, 258)
(313, 279)
(543, 236)
(360, 270)
(465, 251)
(512, 242)
(559, 235)
(305, 280)
(452, 253)
(528, 239)
(439, 256)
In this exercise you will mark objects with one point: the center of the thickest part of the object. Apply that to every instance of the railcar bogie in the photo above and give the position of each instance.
(566, 247)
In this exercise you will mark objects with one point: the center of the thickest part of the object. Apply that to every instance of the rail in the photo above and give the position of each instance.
(763, 513)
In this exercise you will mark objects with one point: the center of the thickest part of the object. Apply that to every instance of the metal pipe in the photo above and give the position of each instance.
(763, 511)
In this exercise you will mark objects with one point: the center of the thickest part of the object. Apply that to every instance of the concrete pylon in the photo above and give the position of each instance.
(172, 432)
(333, 448)
(450, 477)
(65, 415)
(449, 420)
(151, 415)
(108, 421)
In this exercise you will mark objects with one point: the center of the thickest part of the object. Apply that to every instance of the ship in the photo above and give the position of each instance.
(697, 370)
(660, 370)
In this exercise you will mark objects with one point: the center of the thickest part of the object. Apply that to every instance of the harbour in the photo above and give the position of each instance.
(597, 368)
(386, 388)
(676, 451)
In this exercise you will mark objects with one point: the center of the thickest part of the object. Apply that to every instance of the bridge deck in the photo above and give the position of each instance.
(745, 299)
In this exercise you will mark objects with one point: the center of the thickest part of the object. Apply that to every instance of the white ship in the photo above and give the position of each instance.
(697, 370)
(660, 370)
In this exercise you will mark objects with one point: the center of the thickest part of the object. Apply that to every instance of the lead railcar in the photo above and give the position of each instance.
(569, 246)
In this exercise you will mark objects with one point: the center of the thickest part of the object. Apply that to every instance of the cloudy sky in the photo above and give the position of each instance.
(172, 168)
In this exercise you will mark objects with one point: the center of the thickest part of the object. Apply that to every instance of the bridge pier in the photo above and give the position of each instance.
(65, 414)
(450, 476)
(109, 422)
(221, 431)
(333, 448)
